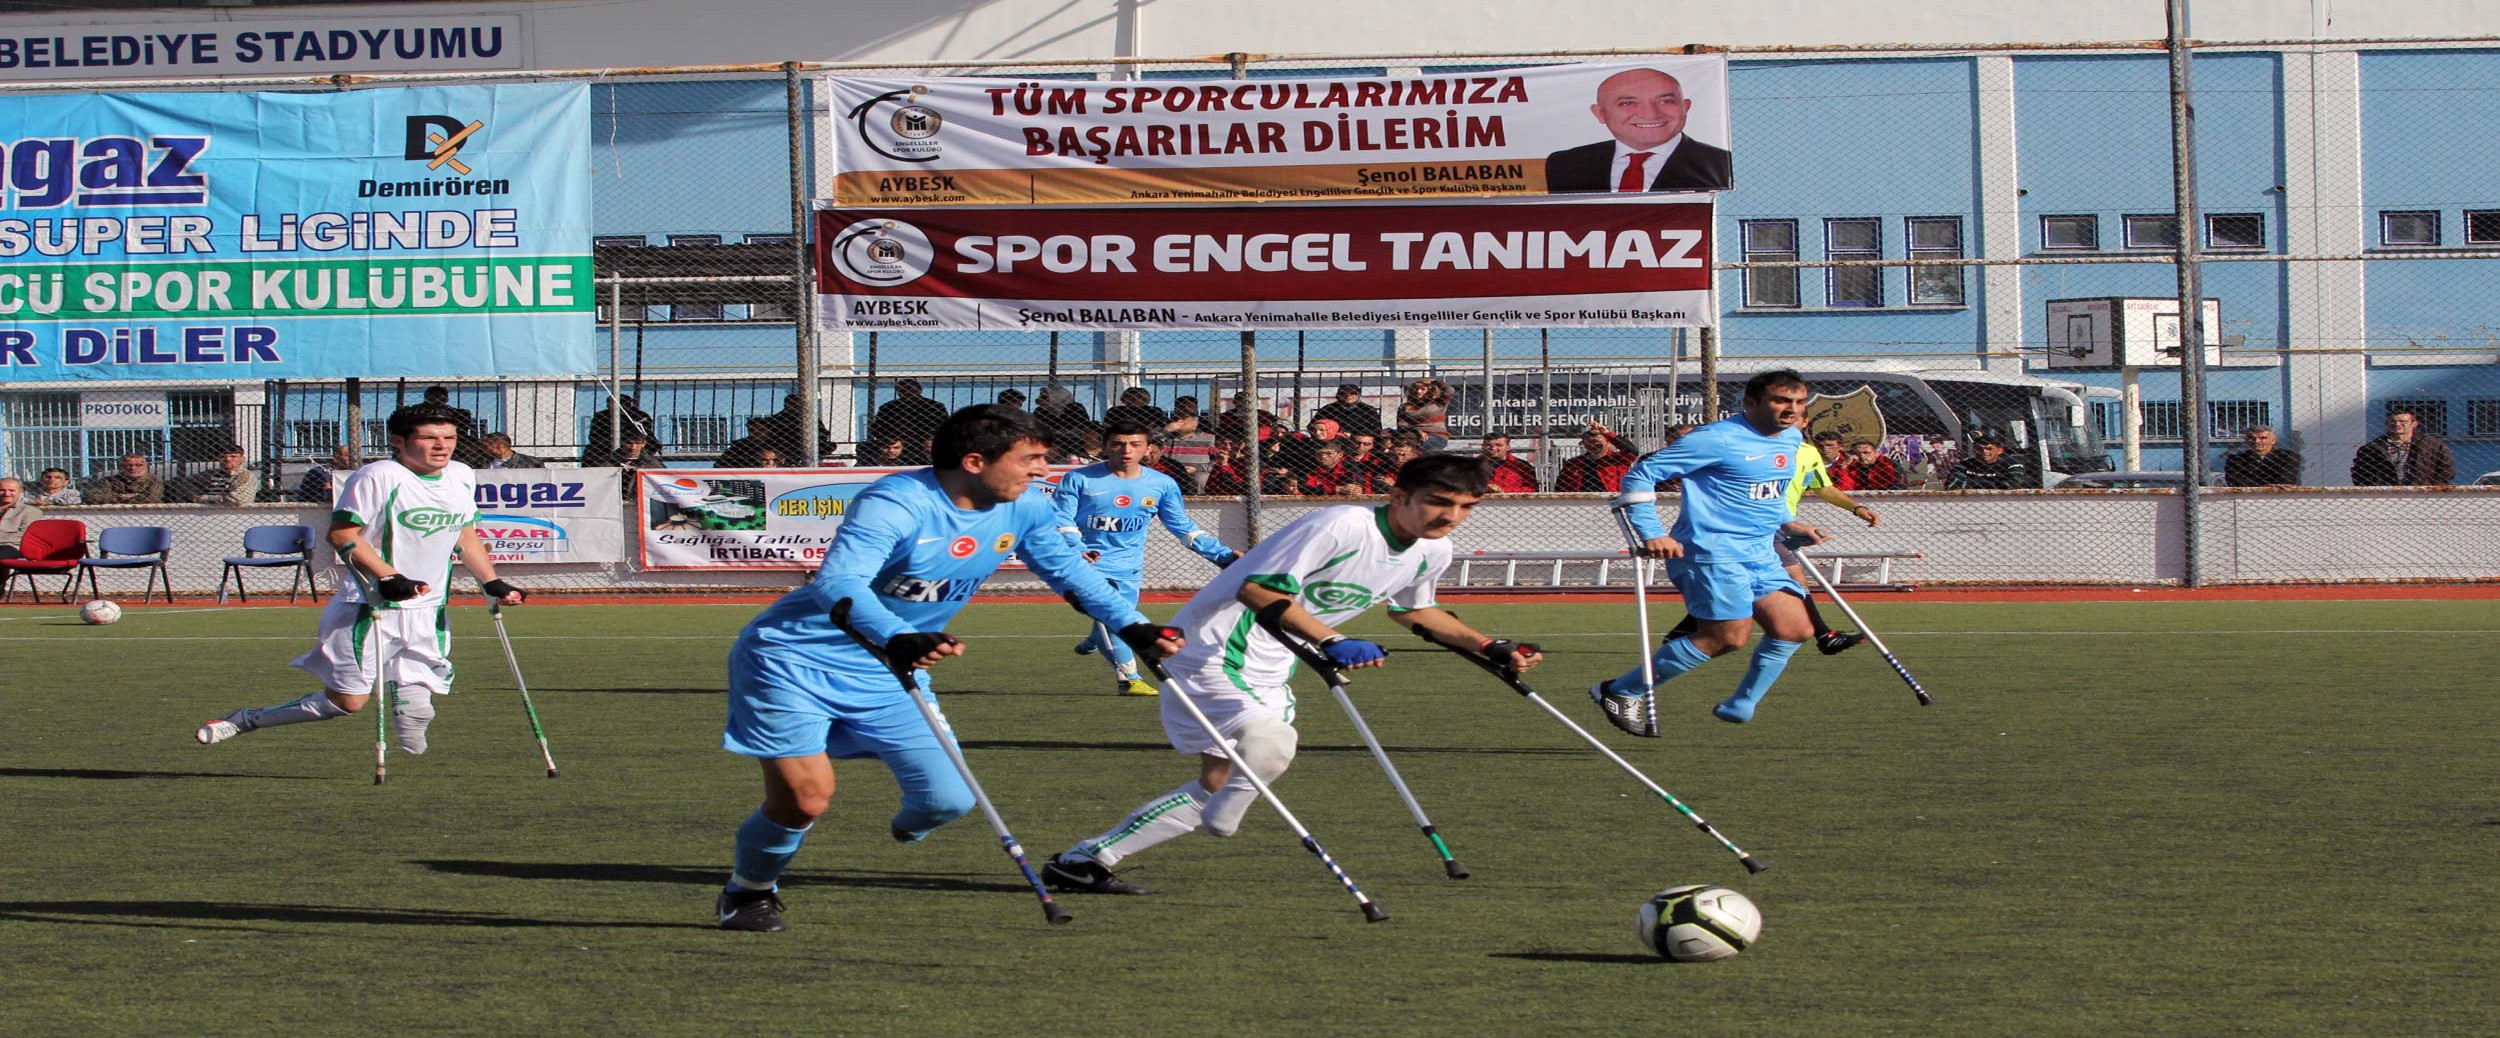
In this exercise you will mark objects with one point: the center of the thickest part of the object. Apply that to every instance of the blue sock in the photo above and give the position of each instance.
(765, 847)
(1671, 661)
(1769, 659)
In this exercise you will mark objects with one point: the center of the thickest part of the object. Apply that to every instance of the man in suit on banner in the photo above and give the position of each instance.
(1644, 109)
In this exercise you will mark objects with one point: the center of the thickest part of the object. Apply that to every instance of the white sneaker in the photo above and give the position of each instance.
(223, 728)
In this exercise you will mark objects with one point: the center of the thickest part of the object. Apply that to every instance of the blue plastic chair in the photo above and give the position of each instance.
(131, 547)
(265, 546)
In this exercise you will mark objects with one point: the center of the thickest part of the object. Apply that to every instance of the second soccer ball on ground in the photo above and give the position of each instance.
(1699, 923)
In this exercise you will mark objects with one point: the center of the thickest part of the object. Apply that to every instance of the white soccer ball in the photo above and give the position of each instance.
(99, 612)
(1699, 923)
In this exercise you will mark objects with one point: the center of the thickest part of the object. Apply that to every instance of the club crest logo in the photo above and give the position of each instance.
(432, 520)
(1149, 502)
(1006, 543)
(1337, 596)
(963, 547)
(882, 252)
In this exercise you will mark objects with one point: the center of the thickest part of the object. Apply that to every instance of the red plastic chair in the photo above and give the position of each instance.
(50, 546)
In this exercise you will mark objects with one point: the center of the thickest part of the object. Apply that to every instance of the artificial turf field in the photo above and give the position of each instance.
(2138, 818)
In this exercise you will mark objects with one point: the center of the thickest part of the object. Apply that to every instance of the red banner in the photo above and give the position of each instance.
(1389, 265)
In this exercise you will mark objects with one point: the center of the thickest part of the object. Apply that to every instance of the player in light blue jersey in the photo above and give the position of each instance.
(911, 551)
(1736, 474)
(1106, 510)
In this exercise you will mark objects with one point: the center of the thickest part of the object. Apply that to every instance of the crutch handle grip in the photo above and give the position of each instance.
(1272, 618)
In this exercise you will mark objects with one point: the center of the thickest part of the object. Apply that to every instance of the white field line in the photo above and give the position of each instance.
(1073, 636)
(130, 614)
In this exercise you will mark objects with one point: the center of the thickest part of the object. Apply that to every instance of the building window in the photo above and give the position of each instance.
(2482, 418)
(1771, 241)
(771, 239)
(2152, 231)
(2105, 418)
(1854, 239)
(2413, 229)
(697, 312)
(2078, 233)
(2230, 418)
(1934, 238)
(2235, 231)
(694, 239)
(2482, 226)
(2161, 419)
(618, 241)
(2433, 414)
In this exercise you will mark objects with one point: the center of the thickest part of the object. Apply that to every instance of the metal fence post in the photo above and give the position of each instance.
(808, 372)
(2191, 298)
(1256, 475)
(1709, 375)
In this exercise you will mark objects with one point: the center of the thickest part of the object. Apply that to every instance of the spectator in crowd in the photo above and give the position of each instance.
(230, 484)
(1232, 423)
(56, 489)
(1329, 476)
(1992, 468)
(1865, 468)
(2263, 464)
(636, 421)
(1184, 419)
(910, 417)
(1136, 405)
(1833, 454)
(1426, 411)
(1011, 398)
(1183, 476)
(499, 454)
(133, 485)
(1674, 433)
(1351, 413)
(746, 451)
(1510, 474)
(1300, 451)
(785, 430)
(1061, 414)
(1362, 449)
(632, 455)
(768, 458)
(880, 452)
(15, 514)
(322, 475)
(1227, 470)
(1604, 456)
(2405, 457)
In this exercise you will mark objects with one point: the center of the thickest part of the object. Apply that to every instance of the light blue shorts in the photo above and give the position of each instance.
(781, 708)
(1726, 589)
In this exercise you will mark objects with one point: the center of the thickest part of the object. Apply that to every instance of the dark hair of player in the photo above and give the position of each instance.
(1756, 386)
(1454, 473)
(404, 422)
(989, 430)
(1125, 427)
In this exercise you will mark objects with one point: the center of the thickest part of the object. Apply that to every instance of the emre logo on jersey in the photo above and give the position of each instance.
(1337, 596)
(432, 520)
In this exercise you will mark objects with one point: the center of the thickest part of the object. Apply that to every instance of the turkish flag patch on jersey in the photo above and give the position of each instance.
(1121, 501)
(963, 547)
(1779, 461)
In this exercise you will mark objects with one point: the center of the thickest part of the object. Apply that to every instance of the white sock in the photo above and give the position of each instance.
(416, 710)
(315, 707)
(1159, 819)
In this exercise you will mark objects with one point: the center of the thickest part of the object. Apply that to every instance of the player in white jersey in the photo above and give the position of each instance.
(1329, 567)
(397, 526)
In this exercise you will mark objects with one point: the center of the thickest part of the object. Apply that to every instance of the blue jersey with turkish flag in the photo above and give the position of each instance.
(1112, 515)
(908, 559)
(1735, 488)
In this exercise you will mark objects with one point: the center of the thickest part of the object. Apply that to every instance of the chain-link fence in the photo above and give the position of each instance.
(1955, 245)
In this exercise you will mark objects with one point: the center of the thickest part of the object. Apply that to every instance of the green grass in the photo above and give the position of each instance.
(2124, 819)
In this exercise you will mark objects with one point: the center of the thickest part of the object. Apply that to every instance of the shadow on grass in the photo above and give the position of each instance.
(1165, 747)
(239, 911)
(1574, 957)
(711, 875)
(111, 774)
(645, 691)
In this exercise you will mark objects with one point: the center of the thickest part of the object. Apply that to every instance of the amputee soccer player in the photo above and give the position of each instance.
(910, 552)
(398, 524)
(1330, 566)
(1737, 472)
(1105, 508)
(1813, 476)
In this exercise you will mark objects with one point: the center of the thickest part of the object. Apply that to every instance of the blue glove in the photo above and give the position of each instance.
(1352, 652)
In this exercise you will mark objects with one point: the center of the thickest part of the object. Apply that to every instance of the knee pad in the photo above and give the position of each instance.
(415, 711)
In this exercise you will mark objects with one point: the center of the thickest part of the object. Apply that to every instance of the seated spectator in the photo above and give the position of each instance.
(1329, 476)
(1865, 468)
(1184, 421)
(885, 452)
(133, 485)
(2262, 464)
(1183, 476)
(745, 451)
(1227, 470)
(497, 448)
(230, 484)
(1233, 424)
(636, 420)
(1136, 405)
(16, 513)
(909, 417)
(633, 454)
(1351, 413)
(1402, 449)
(1992, 469)
(767, 458)
(1300, 451)
(56, 489)
(321, 476)
(1604, 456)
(786, 430)
(1012, 398)
(1511, 474)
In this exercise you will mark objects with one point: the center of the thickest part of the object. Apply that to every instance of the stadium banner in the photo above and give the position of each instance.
(551, 515)
(309, 45)
(1520, 131)
(744, 518)
(1395, 265)
(246, 236)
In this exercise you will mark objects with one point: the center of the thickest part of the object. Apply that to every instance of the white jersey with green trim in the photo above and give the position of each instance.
(1337, 562)
(414, 522)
